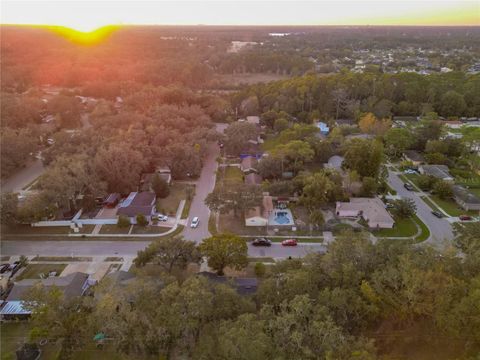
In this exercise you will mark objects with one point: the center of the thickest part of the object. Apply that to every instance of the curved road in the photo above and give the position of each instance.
(441, 232)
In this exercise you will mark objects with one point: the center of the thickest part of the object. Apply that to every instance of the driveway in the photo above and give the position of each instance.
(23, 177)
(441, 232)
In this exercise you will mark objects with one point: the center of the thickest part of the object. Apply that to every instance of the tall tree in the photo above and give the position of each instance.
(224, 250)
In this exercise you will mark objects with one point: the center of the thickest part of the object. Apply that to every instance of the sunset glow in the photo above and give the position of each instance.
(87, 16)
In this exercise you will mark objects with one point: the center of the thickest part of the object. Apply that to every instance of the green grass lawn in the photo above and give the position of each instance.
(33, 271)
(425, 232)
(27, 229)
(451, 207)
(169, 205)
(413, 178)
(149, 229)
(475, 191)
(427, 201)
(402, 228)
(114, 229)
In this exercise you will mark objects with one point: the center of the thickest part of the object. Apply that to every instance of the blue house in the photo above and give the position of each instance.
(324, 129)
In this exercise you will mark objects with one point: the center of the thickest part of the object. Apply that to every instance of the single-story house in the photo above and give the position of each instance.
(249, 164)
(414, 157)
(258, 216)
(112, 200)
(466, 199)
(243, 286)
(253, 179)
(372, 210)
(71, 286)
(323, 127)
(438, 171)
(138, 203)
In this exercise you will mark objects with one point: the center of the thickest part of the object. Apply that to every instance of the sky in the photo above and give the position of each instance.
(88, 15)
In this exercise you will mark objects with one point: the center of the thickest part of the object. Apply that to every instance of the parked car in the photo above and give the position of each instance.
(465, 217)
(408, 186)
(50, 141)
(194, 222)
(4, 268)
(261, 242)
(289, 242)
(409, 171)
(161, 217)
(438, 214)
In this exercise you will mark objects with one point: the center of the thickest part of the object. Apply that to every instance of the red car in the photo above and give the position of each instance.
(465, 217)
(289, 242)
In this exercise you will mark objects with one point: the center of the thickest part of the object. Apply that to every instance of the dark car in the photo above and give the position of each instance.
(438, 214)
(261, 242)
(465, 217)
(4, 268)
(289, 242)
(408, 186)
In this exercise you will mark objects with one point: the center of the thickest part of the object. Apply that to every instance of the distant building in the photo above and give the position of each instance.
(466, 199)
(414, 157)
(438, 171)
(138, 203)
(372, 210)
(255, 120)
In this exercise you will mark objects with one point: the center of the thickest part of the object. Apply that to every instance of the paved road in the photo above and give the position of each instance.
(440, 229)
(204, 186)
(129, 248)
(23, 177)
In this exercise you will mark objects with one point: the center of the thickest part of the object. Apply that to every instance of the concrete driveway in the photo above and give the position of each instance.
(441, 232)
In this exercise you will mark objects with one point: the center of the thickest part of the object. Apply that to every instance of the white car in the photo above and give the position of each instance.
(161, 217)
(194, 222)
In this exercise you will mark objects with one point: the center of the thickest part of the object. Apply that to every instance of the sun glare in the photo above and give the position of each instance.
(84, 37)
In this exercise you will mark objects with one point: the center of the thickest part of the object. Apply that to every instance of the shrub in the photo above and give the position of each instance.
(123, 221)
(426, 182)
(443, 189)
(260, 269)
(142, 220)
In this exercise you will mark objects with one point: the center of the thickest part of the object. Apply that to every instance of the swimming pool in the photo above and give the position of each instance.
(281, 217)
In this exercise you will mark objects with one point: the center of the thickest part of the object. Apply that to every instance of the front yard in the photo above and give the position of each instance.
(33, 271)
(451, 207)
(114, 229)
(402, 228)
(169, 205)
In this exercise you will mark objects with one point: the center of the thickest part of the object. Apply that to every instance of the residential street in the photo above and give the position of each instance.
(129, 248)
(204, 186)
(23, 177)
(440, 229)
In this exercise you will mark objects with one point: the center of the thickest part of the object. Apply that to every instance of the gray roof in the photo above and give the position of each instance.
(244, 286)
(438, 171)
(414, 155)
(72, 285)
(138, 203)
(464, 195)
(253, 179)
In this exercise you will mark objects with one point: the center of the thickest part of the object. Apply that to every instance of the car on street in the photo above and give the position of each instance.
(261, 242)
(408, 186)
(409, 171)
(289, 242)
(465, 217)
(194, 222)
(438, 214)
